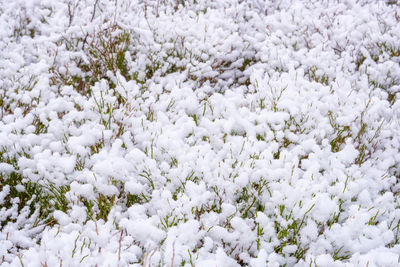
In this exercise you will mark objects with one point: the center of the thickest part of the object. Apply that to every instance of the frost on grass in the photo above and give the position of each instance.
(199, 133)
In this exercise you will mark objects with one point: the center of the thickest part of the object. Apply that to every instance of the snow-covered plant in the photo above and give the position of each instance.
(199, 133)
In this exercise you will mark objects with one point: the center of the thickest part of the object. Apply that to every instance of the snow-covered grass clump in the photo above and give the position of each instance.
(199, 133)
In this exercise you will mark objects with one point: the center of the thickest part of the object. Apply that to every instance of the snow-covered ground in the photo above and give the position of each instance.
(199, 133)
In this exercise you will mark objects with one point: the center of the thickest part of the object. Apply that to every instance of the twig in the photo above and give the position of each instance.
(173, 254)
(119, 247)
(94, 10)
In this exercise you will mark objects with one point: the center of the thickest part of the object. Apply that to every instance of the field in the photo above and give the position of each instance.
(199, 133)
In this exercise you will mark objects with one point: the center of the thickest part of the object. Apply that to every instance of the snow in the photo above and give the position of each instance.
(199, 133)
